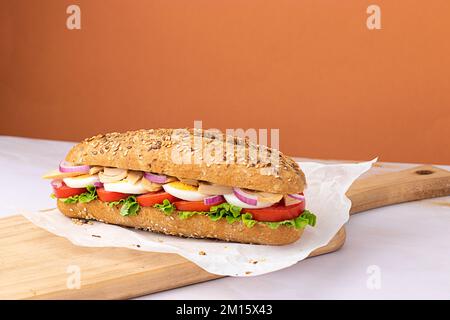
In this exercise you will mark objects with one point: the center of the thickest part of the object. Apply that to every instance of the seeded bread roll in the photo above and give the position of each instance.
(153, 151)
(198, 226)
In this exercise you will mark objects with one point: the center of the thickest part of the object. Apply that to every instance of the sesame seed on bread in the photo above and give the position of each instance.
(197, 226)
(153, 151)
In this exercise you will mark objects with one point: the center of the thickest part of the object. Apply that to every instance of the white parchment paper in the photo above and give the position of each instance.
(325, 197)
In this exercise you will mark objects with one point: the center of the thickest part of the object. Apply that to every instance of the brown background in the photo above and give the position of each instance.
(309, 67)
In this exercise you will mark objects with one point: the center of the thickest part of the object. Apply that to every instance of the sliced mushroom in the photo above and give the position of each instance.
(134, 176)
(95, 170)
(114, 171)
(171, 179)
(191, 182)
(112, 175)
(213, 189)
(290, 201)
(150, 186)
(269, 197)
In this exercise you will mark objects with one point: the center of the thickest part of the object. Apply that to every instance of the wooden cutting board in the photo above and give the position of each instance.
(35, 264)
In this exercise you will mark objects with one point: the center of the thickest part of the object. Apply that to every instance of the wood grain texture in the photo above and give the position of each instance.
(34, 263)
(416, 183)
(335, 244)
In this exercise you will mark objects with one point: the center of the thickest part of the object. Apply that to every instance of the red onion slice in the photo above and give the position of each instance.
(297, 196)
(98, 184)
(245, 197)
(210, 201)
(57, 183)
(64, 166)
(156, 178)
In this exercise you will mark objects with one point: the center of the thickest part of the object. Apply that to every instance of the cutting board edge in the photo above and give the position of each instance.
(99, 291)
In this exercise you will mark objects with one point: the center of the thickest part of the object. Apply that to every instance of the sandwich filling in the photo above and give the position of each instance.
(131, 190)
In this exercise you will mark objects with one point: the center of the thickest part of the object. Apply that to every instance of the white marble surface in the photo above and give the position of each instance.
(403, 251)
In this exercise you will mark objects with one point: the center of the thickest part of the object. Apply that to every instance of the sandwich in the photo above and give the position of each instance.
(187, 183)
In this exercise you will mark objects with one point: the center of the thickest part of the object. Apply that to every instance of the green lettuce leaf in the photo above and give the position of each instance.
(165, 207)
(129, 207)
(232, 219)
(115, 203)
(233, 214)
(187, 214)
(311, 217)
(306, 218)
(73, 199)
(247, 219)
(88, 196)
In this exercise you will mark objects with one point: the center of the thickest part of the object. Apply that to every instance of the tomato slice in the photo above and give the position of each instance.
(110, 196)
(63, 191)
(277, 212)
(194, 206)
(152, 198)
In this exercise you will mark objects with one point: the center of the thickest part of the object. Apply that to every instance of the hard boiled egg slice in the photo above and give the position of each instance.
(81, 181)
(125, 186)
(232, 199)
(184, 191)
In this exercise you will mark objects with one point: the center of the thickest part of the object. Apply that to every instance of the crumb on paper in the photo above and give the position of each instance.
(46, 210)
(202, 253)
(253, 261)
(433, 202)
(96, 235)
(79, 221)
(248, 272)
(441, 203)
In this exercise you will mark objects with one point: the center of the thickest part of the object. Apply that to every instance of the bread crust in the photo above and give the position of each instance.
(197, 226)
(152, 151)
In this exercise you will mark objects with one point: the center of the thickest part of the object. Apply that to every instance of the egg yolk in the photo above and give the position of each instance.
(182, 186)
